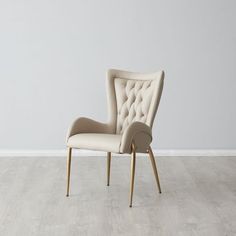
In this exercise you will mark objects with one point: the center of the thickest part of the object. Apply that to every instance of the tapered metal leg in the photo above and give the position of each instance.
(108, 167)
(68, 171)
(152, 158)
(132, 170)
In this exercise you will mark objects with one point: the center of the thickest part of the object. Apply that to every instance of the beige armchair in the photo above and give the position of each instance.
(133, 100)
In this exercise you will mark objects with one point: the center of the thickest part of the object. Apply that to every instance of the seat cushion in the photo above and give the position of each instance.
(96, 141)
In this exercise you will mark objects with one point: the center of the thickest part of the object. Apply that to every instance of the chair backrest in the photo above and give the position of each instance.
(133, 97)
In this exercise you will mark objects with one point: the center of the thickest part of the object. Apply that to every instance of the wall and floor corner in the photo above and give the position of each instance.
(53, 59)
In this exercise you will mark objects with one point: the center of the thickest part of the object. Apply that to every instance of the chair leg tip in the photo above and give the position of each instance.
(108, 184)
(130, 206)
(67, 195)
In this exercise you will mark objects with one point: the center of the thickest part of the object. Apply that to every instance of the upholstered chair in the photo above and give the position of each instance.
(133, 100)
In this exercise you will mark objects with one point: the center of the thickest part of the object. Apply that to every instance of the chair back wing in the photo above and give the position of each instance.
(133, 97)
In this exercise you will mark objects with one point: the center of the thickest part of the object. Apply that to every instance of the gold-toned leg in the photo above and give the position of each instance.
(108, 167)
(132, 169)
(68, 170)
(152, 158)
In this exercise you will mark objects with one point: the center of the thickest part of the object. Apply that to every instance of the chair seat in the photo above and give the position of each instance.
(96, 142)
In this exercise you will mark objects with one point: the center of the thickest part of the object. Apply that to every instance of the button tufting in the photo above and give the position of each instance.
(132, 106)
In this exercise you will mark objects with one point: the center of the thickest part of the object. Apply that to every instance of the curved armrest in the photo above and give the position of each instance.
(140, 134)
(86, 125)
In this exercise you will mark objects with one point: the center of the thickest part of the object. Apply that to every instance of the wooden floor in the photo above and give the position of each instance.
(198, 197)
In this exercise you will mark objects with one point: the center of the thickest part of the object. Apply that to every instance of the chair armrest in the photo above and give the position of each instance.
(86, 125)
(140, 134)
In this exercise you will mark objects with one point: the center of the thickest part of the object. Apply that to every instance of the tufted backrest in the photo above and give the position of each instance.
(133, 97)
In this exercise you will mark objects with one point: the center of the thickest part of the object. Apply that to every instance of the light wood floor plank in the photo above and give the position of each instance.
(198, 198)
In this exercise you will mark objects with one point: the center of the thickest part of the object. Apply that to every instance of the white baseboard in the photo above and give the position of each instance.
(161, 152)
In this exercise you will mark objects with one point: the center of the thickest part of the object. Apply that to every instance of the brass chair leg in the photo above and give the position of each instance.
(132, 169)
(152, 158)
(68, 170)
(108, 167)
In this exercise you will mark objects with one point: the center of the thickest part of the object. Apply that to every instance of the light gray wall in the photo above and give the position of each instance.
(54, 54)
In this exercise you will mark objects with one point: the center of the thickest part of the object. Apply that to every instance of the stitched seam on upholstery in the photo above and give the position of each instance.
(132, 137)
(135, 106)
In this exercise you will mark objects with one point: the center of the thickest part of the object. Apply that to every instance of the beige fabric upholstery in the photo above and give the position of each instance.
(86, 125)
(138, 132)
(96, 141)
(133, 99)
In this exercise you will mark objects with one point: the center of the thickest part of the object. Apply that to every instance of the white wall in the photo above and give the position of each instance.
(54, 54)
